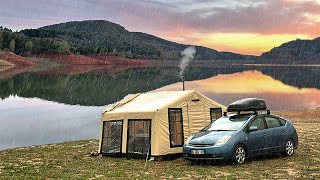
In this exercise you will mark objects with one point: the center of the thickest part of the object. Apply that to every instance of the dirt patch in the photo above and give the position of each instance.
(3, 68)
(79, 64)
(72, 59)
(15, 59)
(5, 63)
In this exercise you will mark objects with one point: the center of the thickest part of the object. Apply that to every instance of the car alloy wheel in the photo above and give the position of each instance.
(240, 155)
(289, 148)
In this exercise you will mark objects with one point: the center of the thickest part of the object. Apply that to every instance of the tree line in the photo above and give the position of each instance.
(24, 45)
(35, 41)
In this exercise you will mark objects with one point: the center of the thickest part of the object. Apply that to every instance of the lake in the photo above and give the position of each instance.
(41, 108)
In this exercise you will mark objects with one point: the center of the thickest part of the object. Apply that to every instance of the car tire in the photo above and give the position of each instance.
(194, 162)
(289, 148)
(239, 155)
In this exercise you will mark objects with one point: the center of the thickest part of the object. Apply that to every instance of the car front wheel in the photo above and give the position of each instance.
(289, 151)
(239, 155)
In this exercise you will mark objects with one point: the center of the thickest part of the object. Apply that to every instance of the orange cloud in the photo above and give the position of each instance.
(245, 43)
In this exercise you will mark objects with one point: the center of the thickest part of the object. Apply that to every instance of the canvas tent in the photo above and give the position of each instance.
(155, 123)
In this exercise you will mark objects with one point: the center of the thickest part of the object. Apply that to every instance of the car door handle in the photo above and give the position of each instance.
(265, 134)
(283, 131)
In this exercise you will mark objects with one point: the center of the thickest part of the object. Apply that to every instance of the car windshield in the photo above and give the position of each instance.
(231, 123)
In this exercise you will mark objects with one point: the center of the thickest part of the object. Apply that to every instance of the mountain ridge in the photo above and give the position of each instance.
(296, 51)
(107, 38)
(137, 43)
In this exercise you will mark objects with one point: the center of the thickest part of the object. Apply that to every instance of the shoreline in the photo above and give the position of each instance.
(73, 160)
(296, 116)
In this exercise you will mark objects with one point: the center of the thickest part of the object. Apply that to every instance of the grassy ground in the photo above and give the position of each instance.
(72, 161)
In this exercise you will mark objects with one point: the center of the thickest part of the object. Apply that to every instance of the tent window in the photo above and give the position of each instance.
(176, 127)
(139, 135)
(215, 113)
(112, 137)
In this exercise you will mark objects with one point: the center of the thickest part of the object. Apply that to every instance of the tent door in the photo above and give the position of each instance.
(197, 117)
(112, 138)
(139, 138)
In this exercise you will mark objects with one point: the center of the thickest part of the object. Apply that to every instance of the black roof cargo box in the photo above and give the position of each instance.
(248, 104)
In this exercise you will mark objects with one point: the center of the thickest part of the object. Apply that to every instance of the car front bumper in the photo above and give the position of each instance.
(223, 152)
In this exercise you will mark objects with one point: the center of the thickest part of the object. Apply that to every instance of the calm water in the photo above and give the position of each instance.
(41, 108)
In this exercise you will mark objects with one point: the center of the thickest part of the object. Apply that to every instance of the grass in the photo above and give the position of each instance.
(72, 160)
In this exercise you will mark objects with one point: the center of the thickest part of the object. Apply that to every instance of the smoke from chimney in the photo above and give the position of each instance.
(188, 55)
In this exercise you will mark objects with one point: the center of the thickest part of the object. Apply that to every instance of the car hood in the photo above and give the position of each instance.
(207, 137)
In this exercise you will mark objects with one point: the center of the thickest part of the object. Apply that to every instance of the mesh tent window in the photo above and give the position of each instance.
(112, 137)
(176, 127)
(215, 113)
(139, 137)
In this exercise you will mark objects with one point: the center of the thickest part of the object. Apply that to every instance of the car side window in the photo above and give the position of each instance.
(258, 122)
(272, 122)
(282, 122)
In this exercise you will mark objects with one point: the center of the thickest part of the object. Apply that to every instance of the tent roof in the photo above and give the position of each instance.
(149, 102)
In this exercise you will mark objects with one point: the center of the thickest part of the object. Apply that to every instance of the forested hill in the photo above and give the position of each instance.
(299, 51)
(99, 36)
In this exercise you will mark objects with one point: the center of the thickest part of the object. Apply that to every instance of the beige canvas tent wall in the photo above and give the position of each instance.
(155, 123)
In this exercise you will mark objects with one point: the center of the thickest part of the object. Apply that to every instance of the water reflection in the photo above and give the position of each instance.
(228, 88)
(30, 121)
(98, 88)
(39, 106)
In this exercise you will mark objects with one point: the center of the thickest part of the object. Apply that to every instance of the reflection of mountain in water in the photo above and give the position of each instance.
(227, 88)
(301, 77)
(101, 89)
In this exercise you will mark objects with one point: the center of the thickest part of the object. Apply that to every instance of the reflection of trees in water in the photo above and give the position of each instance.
(301, 77)
(101, 89)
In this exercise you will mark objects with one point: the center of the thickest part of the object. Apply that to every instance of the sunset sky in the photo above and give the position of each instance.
(242, 26)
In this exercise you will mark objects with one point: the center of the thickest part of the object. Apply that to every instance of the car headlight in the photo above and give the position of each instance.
(188, 140)
(223, 140)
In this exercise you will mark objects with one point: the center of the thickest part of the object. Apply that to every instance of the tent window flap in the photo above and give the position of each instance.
(139, 136)
(175, 127)
(112, 137)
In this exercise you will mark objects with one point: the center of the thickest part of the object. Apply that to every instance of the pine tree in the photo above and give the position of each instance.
(12, 45)
(1, 39)
(28, 46)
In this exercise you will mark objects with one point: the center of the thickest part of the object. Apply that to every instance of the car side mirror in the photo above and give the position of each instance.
(253, 128)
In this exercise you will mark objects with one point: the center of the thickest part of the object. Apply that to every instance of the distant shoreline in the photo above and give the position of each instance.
(282, 65)
(297, 116)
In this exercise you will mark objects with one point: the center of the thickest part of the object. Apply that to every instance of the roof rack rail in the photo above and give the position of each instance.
(256, 112)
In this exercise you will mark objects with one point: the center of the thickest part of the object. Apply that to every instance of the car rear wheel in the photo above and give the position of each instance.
(289, 151)
(239, 155)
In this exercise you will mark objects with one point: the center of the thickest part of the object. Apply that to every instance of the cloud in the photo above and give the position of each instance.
(262, 17)
(247, 16)
(184, 21)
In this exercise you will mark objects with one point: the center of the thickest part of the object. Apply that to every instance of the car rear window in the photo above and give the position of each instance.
(282, 121)
(272, 122)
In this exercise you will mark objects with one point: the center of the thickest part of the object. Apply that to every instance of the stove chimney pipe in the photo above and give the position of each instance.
(182, 79)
